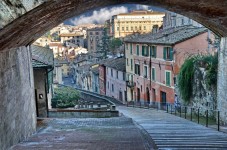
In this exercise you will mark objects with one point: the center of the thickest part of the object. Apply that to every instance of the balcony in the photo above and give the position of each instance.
(130, 84)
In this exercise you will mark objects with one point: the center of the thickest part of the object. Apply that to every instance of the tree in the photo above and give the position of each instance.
(115, 43)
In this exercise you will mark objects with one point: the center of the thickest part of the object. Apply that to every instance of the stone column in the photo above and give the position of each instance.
(222, 81)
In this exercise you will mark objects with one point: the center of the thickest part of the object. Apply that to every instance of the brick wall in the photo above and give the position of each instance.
(17, 103)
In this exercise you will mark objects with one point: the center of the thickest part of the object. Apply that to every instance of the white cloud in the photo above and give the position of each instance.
(142, 7)
(100, 16)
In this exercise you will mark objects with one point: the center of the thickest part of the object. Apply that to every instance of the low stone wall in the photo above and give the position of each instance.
(64, 113)
(17, 102)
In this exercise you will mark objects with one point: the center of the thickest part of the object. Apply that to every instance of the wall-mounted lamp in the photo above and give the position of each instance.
(40, 96)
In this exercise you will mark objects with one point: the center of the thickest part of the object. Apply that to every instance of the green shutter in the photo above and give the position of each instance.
(142, 50)
(155, 49)
(151, 51)
(168, 78)
(164, 53)
(131, 65)
(147, 50)
(137, 50)
(131, 48)
(153, 74)
(171, 53)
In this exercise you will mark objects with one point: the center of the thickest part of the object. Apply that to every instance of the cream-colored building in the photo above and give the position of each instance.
(74, 38)
(140, 21)
(42, 41)
(129, 71)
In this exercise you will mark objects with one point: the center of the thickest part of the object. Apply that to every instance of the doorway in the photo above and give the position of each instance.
(138, 94)
(148, 95)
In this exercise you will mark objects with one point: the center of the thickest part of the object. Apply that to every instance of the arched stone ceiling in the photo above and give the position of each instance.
(29, 19)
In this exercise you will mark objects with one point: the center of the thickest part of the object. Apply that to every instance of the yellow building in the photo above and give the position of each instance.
(140, 21)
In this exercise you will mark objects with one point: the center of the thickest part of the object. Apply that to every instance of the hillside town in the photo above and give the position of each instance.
(134, 56)
(113, 75)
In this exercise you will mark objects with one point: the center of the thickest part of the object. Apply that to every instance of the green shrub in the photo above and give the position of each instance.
(65, 97)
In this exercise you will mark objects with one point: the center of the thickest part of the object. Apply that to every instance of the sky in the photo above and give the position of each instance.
(99, 16)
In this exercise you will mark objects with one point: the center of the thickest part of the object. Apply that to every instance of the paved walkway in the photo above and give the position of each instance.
(118, 133)
(172, 132)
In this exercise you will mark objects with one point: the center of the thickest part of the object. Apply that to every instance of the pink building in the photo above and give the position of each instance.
(115, 79)
(158, 58)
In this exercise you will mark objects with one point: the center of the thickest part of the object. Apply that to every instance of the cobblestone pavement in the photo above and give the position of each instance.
(171, 132)
(119, 133)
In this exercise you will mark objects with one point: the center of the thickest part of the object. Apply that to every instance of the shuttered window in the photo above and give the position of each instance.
(168, 53)
(153, 50)
(145, 51)
(168, 82)
(153, 74)
(137, 50)
(130, 48)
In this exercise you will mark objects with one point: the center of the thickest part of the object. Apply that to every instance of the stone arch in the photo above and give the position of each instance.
(34, 23)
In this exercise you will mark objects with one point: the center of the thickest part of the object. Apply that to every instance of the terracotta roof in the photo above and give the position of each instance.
(169, 36)
(56, 44)
(42, 57)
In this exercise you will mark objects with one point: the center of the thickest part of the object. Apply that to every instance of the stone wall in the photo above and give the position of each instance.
(203, 97)
(17, 103)
(222, 81)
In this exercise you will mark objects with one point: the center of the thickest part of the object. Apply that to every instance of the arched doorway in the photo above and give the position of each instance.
(148, 95)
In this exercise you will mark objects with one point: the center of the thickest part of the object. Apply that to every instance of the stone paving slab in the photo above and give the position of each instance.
(170, 132)
(119, 133)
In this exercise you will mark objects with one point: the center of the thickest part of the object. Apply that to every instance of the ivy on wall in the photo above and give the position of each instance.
(186, 75)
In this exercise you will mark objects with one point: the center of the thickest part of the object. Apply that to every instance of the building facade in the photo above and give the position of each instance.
(135, 22)
(115, 79)
(94, 38)
(157, 60)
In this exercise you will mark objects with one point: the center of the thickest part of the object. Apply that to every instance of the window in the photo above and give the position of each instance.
(108, 85)
(145, 72)
(153, 50)
(123, 28)
(131, 64)
(132, 28)
(111, 72)
(144, 27)
(117, 28)
(112, 88)
(127, 61)
(140, 28)
(182, 21)
(153, 74)
(130, 48)
(168, 77)
(126, 46)
(126, 28)
(137, 50)
(97, 33)
(168, 53)
(123, 76)
(145, 51)
(117, 74)
(135, 27)
(137, 69)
